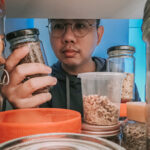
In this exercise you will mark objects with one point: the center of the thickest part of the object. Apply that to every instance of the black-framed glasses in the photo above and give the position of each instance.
(80, 28)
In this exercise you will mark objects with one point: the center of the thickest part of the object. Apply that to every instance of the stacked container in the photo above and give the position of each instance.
(146, 38)
(101, 92)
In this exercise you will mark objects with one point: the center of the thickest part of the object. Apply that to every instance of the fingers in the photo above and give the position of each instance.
(21, 96)
(23, 70)
(33, 84)
(15, 58)
(1, 43)
(2, 60)
(33, 101)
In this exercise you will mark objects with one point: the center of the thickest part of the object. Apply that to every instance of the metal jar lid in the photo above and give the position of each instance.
(19, 33)
(60, 141)
(121, 49)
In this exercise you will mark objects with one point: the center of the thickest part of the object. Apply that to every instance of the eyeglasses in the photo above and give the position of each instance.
(79, 28)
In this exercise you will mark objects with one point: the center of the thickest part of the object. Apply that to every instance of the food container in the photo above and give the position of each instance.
(101, 92)
(30, 39)
(24, 122)
(134, 135)
(146, 38)
(111, 133)
(60, 141)
(121, 59)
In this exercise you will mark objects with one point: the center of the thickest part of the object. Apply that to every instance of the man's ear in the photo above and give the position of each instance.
(100, 32)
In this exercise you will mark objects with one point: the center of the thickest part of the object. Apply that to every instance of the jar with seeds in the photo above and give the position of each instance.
(121, 59)
(134, 135)
(29, 38)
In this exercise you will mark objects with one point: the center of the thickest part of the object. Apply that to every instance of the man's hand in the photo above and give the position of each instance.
(2, 60)
(20, 94)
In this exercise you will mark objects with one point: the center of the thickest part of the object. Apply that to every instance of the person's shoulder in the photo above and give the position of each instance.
(100, 63)
(100, 59)
(56, 67)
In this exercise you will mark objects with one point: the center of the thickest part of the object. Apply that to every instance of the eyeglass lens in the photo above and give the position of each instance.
(79, 28)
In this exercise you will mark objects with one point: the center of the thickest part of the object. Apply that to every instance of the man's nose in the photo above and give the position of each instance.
(68, 35)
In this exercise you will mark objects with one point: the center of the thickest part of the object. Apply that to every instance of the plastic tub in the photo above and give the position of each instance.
(24, 122)
(101, 92)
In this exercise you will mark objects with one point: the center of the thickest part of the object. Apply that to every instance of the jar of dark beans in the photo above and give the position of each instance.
(29, 38)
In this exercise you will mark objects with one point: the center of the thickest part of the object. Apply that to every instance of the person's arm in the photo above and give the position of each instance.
(20, 94)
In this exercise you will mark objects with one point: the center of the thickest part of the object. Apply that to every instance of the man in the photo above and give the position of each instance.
(73, 42)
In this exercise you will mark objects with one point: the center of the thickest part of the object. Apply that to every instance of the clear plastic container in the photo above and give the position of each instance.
(29, 38)
(146, 38)
(60, 141)
(101, 93)
(121, 59)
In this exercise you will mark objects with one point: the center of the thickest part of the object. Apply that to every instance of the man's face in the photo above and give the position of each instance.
(73, 41)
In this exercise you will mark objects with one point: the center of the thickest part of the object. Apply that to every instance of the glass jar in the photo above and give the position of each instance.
(4, 76)
(146, 38)
(29, 38)
(60, 141)
(121, 59)
(134, 135)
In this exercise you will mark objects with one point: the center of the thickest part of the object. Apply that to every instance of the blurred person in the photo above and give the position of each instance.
(73, 42)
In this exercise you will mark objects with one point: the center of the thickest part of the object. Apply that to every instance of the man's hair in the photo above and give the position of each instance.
(97, 22)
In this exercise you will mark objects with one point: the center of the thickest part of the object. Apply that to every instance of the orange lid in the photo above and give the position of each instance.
(123, 110)
(24, 122)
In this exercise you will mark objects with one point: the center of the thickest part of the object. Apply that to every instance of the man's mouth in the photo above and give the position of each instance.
(70, 53)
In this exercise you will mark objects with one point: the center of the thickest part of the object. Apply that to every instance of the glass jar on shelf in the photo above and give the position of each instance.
(121, 59)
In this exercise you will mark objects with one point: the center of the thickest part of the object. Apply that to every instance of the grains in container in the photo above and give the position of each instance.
(134, 136)
(99, 110)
